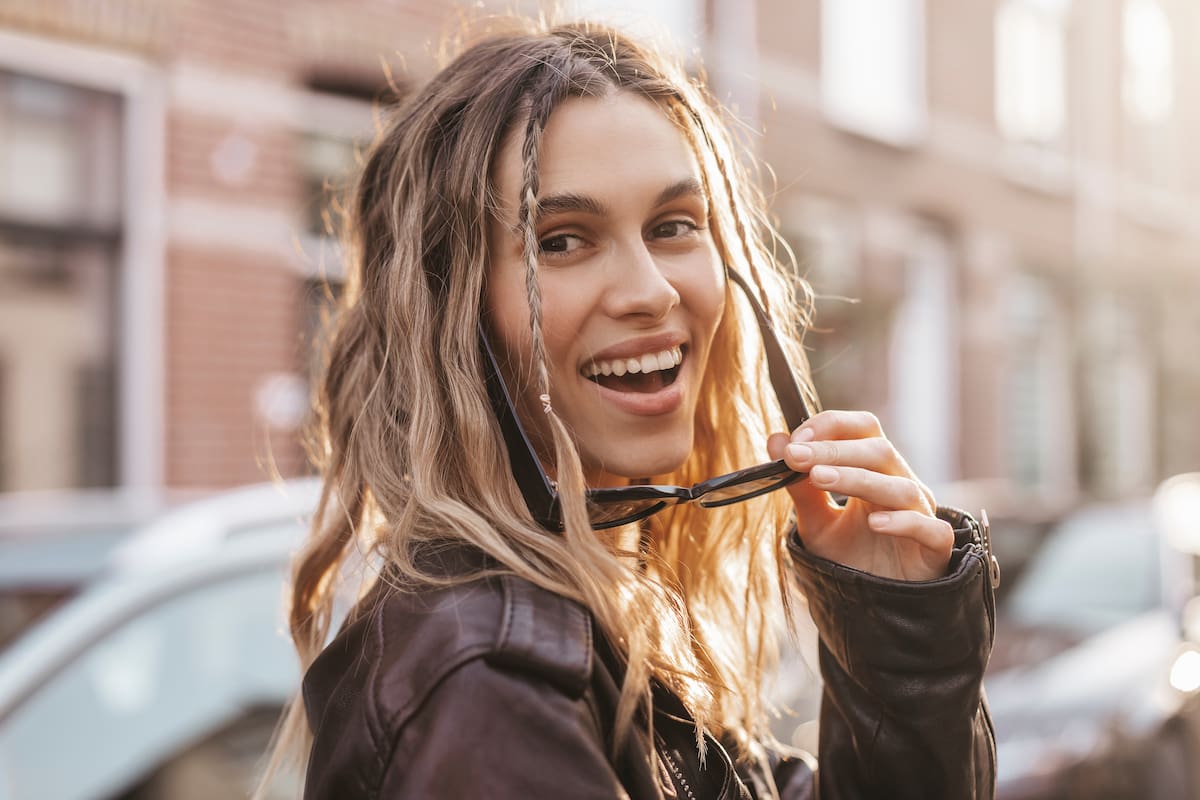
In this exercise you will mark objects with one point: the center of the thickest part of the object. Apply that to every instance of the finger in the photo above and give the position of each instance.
(776, 443)
(836, 424)
(935, 534)
(875, 453)
(814, 507)
(888, 491)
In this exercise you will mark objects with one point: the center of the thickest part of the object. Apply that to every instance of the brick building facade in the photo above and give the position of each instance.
(1013, 220)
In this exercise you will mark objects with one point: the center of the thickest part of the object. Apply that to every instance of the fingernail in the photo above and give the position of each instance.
(879, 519)
(804, 435)
(822, 474)
(800, 452)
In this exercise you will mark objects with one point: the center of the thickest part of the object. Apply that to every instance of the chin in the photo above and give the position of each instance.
(640, 460)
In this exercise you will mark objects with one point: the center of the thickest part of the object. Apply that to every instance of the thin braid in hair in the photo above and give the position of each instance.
(526, 217)
(568, 473)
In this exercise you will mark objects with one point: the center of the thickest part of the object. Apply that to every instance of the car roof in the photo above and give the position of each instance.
(204, 525)
(62, 539)
(1133, 516)
(238, 532)
(68, 538)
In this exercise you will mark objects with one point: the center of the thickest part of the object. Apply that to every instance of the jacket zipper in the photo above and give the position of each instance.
(678, 773)
(985, 533)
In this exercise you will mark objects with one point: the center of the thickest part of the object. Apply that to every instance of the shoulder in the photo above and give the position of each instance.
(378, 673)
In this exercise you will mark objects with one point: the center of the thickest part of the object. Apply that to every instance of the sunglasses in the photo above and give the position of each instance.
(611, 507)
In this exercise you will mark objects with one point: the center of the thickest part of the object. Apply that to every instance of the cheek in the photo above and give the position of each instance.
(560, 330)
(707, 299)
(508, 308)
(508, 322)
(717, 310)
(568, 305)
(508, 313)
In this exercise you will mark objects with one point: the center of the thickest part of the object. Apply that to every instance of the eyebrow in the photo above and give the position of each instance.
(568, 202)
(683, 188)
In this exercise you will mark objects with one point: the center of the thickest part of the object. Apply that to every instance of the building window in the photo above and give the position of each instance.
(1148, 85)
(1027, 384)
(331, 146)
(827, 240)
(1037, 415)
(1153, 146)
(60, 201)
(679, 23)
(331, 141)
(873, 68)
(923, 363)
(1118, 397)
(1031, 70)
(1178, 381)
(329, 164)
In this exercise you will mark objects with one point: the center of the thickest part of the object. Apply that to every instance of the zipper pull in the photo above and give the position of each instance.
(985, 532)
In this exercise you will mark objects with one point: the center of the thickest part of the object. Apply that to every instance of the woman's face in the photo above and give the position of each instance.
(632, 285)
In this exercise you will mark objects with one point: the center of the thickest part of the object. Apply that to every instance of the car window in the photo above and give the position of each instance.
(39, 573)
(1093, 572)
(21, 608)
(172, 674)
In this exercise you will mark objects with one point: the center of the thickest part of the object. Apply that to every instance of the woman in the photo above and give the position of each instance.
(554, 316)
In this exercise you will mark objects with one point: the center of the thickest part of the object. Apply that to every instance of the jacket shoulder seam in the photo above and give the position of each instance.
(546, 634)
(532, 631)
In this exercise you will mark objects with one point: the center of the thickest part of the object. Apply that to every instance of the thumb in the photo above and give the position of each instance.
(815, 508)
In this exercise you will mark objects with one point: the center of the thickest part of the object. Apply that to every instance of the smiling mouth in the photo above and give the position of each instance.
(642, 381)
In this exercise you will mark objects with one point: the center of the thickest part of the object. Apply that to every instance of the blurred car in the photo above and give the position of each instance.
(54, 543)
(164, 677)
(1094, 678)
(39, 574)
(1021, 515)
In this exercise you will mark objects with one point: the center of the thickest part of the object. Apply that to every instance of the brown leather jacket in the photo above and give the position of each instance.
(502, 690)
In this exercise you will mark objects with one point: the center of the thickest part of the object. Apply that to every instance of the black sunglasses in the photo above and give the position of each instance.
(610, 507)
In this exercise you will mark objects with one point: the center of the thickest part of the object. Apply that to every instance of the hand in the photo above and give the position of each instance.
(887, 527)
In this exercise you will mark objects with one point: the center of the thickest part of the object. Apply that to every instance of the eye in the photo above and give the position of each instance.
(560, 244)
(674, 229)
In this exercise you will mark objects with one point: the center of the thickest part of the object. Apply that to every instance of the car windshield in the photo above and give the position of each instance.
(177, 670)
(38, 573)
(1096, 570)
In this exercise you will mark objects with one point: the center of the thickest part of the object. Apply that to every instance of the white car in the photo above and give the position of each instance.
(165, 676)
(1094, 685)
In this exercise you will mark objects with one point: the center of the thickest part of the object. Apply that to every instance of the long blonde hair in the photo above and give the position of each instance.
(410, 450)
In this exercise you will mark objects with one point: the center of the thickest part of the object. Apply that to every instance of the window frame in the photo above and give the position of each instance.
(140, 404)
(852, 114)
(1039, 163)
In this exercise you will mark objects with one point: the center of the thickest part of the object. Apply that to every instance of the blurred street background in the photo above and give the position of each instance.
(995, 201)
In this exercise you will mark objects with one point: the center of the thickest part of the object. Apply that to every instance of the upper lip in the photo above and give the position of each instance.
(639, 346)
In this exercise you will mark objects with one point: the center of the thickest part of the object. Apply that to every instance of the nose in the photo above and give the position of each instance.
(638, 285)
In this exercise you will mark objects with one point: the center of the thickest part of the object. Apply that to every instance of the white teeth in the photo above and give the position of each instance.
(650, 362)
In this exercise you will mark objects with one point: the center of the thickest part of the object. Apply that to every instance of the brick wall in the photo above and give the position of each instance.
(236, 198)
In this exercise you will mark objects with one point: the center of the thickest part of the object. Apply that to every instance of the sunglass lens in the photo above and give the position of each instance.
(611, 514)
(738, 492)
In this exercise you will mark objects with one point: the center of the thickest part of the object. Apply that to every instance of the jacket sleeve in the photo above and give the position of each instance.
(531, 741)
(902, 710)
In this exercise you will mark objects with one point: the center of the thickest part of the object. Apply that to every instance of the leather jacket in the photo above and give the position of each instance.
(499, 689)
